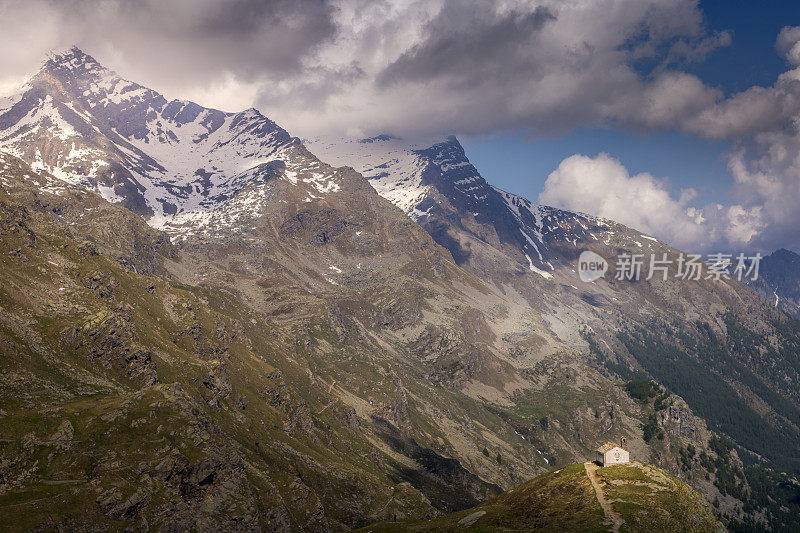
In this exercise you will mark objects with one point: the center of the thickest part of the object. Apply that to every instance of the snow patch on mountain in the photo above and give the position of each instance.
(390, 164)
(533, 268)
(7, 102)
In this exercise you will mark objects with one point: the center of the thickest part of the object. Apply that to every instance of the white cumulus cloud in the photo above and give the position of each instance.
(602, 186)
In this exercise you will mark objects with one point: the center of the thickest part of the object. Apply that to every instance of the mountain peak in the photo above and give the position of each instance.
(72, 59)
(783, 253)
(448, 148)
(383, 137)
(450, 157)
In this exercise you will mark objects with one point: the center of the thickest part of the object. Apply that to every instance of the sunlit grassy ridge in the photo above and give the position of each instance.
(564, 500)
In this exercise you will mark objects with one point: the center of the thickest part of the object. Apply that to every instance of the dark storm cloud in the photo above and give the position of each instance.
(180, 41)
(468, 44)
(244, 17)
(465, 66)
(242, 35)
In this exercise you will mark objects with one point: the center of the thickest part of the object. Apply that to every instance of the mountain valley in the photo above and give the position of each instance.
(200, 312)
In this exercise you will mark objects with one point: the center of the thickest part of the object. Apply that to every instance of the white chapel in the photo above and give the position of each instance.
(613, 454)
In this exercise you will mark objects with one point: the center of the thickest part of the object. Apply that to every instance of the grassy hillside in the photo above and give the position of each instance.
(636, 497)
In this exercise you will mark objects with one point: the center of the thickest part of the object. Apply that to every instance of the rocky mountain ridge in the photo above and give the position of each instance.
(437, 185)
(779, 281)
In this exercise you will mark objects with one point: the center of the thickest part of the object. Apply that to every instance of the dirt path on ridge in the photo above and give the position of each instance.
(611, 514)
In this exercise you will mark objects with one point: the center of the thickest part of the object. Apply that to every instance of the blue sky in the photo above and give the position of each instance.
(520, 162)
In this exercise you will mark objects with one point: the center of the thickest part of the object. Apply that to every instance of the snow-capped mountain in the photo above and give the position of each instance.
(232, 185)
(171, 161)
(190, 169)
(436, 185)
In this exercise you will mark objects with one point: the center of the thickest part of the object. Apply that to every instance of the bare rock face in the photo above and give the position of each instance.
(12, 224)
(218, 384)
(140, 366)
(116, 506)
(170, 467)
(108, 338)
(679, 420)
(205, 487)
(63, 435)
(101, 283)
